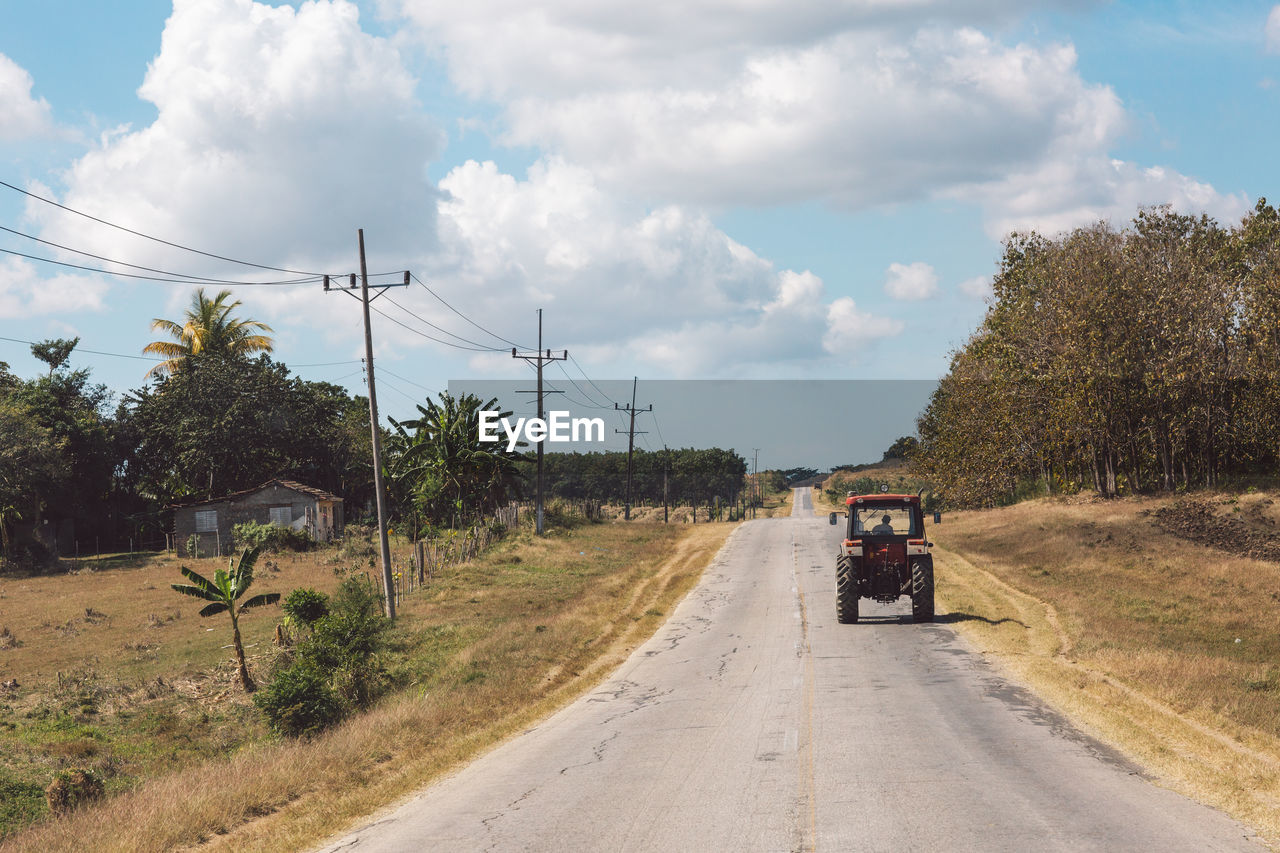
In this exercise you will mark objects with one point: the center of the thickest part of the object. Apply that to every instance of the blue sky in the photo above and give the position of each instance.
(715, 190)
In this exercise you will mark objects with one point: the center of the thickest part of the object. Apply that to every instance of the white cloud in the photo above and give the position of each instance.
(1272, 30)
(850, 330)
(857, 104)
(911, 282)
(278, 133)
(25, 293)
(1067, 193)
(978, 287)
(663, 288)
(21, 115)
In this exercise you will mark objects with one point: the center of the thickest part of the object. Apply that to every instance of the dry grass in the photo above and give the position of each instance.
(1163, 647)
(488, 649)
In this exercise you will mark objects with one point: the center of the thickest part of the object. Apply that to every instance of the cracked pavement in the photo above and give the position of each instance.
(752, 721)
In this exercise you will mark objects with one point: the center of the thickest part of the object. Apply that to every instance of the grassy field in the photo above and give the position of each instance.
(112, 670)
(1154, 642)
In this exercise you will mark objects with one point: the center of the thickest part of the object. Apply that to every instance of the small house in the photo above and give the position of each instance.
(282, 502)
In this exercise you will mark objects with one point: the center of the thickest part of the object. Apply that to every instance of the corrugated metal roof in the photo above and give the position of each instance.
(293, 485)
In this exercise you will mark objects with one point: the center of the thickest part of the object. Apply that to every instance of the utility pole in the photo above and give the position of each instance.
(666, 468)
(388, 587)
(539, 357)
(755, 485)
(631, 440)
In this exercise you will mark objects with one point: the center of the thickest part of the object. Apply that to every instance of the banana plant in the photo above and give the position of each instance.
(223, 593)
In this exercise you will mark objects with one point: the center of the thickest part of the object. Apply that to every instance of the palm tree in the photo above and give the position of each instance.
(224, 591)
(443, 464)
(209, 329)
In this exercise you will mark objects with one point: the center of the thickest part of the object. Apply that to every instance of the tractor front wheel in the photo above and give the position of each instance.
(922, 591)
(846, 592)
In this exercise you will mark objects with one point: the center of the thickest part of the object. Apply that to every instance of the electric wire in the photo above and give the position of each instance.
(589, 379)
(151, 277)
(441, 330)
(157, 239)
(93, 351)
(658, 428)
(555, 390)
(406, 395)
(328, 363)
(382, 369)
(464, 316)
(429, 337)
(594, 404)
(195, 279)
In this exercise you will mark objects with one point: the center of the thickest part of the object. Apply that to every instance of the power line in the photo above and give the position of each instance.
(150, 277)
(589, 379)
(194, 278)
(410, 381)
(393, 387)
(93, 351)
(594, 404)
(658, 428)
(325, 363)
(442, 330)
(431, 337)
(464, 316)
(154, 239)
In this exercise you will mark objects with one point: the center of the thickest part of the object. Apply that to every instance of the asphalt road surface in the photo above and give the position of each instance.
(754, 721)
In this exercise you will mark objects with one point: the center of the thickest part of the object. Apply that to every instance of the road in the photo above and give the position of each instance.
(754, 721)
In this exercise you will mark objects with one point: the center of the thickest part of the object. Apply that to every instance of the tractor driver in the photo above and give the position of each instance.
(884, 528)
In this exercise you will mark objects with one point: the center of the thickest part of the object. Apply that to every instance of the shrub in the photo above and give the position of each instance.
(337, 668)
(72, 787)
(20, 803)
(299, 701)
(304, 606)
(346, 642)
(270, 537)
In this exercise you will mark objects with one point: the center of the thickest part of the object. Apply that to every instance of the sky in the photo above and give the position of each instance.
(724, 189)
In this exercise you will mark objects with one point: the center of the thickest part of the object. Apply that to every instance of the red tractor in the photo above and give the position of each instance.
(884, 555)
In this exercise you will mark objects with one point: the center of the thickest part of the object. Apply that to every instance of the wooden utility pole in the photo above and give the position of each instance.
(666, 468)
(539, 358)
(757, 490)
(631, 441)
(388, 586)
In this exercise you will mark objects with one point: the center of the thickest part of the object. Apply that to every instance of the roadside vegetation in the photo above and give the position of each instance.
(1120, 614)
(1119, 361)
(110, 671)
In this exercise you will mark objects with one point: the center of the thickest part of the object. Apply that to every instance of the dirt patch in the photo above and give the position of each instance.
(1222, 524)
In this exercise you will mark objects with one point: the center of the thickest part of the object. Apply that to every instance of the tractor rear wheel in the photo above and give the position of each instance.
(846, 592)
(922, 591)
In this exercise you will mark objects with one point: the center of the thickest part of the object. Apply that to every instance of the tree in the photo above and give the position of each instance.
(1126, 359)
(223, 592)
(209, 329)
(31, 464)
(54, 352)
(74, 411)
(439, 462)
(902, 448)
(222, 424)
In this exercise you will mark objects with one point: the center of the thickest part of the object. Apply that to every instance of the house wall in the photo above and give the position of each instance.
(252, 507)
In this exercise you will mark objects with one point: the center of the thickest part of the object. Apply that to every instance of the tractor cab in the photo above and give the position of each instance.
(884, 554)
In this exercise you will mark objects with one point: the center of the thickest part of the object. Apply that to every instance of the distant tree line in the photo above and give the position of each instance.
(1119, 360)
(82, 471)
(692, 476)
